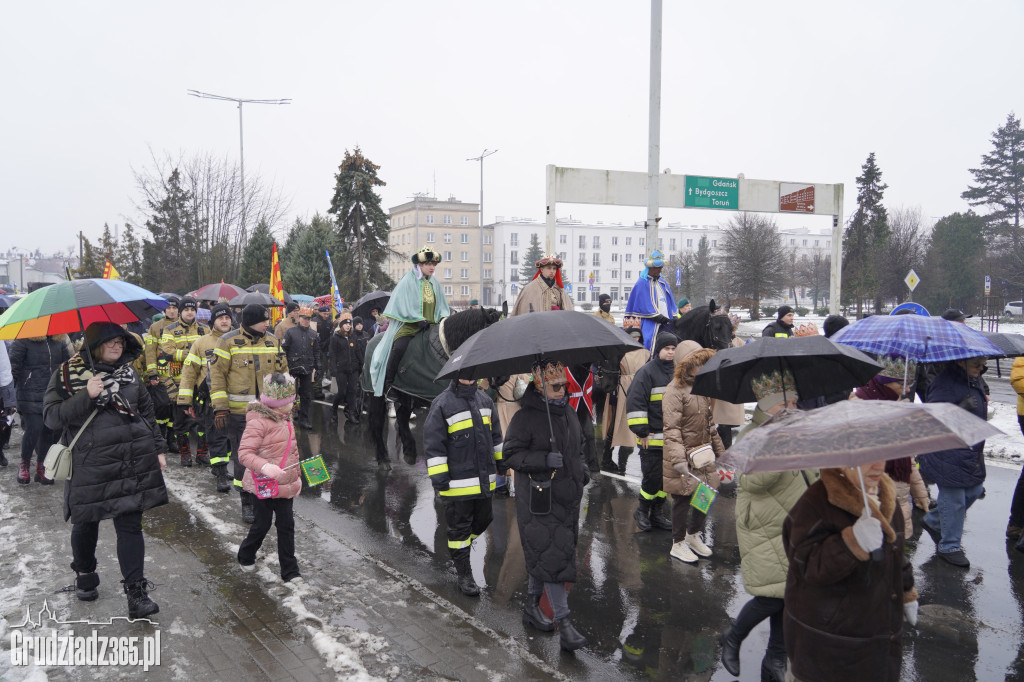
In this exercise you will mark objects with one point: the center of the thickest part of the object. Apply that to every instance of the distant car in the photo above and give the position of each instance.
(1014, 308)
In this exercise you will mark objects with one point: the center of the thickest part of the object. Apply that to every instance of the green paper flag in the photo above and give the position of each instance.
(315, 470)
(703, 497)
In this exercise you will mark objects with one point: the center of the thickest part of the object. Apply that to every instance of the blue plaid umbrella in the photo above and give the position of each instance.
(925, 339)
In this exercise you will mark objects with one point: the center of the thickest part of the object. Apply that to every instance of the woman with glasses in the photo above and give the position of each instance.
(549, 482)
(116, 461)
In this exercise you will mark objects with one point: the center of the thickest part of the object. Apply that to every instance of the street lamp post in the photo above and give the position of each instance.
(241, 144)
(483, 155)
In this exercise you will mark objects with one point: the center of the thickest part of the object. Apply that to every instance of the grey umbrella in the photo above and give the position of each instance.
(257, 297)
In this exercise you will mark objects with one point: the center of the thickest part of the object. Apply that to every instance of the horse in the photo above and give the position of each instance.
(414, 380)
(703, 326)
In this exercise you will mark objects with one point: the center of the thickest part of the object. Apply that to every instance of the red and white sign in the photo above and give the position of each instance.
(795, 197)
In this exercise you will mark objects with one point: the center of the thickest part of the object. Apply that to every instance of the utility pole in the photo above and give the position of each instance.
(483, 155)
(654, 129)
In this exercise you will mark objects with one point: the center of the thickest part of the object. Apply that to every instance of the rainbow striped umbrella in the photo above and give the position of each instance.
(73, 306)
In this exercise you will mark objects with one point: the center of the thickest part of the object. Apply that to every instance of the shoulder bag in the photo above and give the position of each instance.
(58, 458)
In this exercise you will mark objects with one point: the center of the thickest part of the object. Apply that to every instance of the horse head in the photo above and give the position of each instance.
(704, 327)
(463, 325)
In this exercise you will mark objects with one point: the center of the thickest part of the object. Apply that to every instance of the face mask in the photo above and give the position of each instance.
(606, 306)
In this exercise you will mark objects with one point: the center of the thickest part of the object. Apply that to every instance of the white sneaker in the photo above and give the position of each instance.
(391, 410)
(412, 416)
(297, 580)
(681, 551)
(694, 542)
(248, 568)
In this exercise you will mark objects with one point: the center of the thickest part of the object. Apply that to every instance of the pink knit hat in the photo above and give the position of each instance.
(278, 390)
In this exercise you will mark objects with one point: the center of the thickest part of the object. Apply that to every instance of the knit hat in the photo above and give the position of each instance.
(683, 302)
(219, 310)
(772, 388)
(665, 339)
(356, 320)
(254, 313)
(783, 311)
(474, 301)
(98, 333)
(604, 297)
(172, 299)
(290, 307)
(188, 302)
(685, 348)
(894, 369)
(834, 323)
(278, 390)
(546, 372)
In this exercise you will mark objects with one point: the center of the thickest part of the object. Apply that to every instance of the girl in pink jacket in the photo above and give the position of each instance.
(267, 447)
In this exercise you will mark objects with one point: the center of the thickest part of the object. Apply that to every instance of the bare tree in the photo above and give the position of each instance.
(904, 249)
(813, 272)
(754, 259)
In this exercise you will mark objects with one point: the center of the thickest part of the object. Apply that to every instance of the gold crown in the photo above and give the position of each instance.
(773, 382)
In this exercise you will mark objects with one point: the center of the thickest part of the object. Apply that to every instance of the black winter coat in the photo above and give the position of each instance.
(777, 328)
(462, 443)
(302, 346)
(643, 400)
(961, 467)
(347, 353)
(33, 362)
(324, 329)
(115, 466)
(549, 540)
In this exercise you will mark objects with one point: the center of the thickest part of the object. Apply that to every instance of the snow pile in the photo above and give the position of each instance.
(1009, 447)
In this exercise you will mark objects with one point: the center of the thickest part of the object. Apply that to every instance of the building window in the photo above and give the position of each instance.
(714, 242)
(583, 259)
(689, 243)
(447, 220)
(487, 239)
(430, 237)
(465, 290)
(805, 242)
(597, 259)
(642, 240)
(597, 275)
(597, 242)
(614, 293)
(464, 220)
(448, 289)
(430, 220)
(792, 242)
(561, 256)
(563, 239)
(487, 273)
(661, 243)
(514, 277)
(513, 239)
(629, 241)
(513, 257)
(448, 256)
(464, 238)
(583, 241)
(488, 256)
(625, 291)
(595, 295)
(615, 241)
(615, 274)
(464, 273)
(672, 244)
(615, 258)
(815, 242)
(629, 258)
(581, 296)
(465, 256)
(447, 237)
(583, 277)
(629, 275)
(447, 273)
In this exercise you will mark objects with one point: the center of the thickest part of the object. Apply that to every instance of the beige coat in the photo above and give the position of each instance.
(729, 414)
(542, 297)
(688, 425)
(629, 365)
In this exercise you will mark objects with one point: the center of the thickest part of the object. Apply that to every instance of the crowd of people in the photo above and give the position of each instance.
(238, 389)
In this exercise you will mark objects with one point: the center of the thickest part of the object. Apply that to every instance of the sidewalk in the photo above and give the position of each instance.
(355, 618)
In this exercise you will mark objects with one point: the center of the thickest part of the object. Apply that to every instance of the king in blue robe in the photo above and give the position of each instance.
(651, 300)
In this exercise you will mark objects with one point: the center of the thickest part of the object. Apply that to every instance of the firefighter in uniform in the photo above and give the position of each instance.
(194, 394)
(462, 444)
(151, 342)
(239, 362)
(177, 338)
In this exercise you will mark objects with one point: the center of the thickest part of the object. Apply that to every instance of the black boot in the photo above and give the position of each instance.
(731, 651)
(203, 451)
(139, 603)
(569, 637)
(658, 518)
(86, 584)
(220, 471)
(534, 617)
(248, 507)
(463, 567)
(773, 668)
(642, 514)
(624, 454)
(185, 450)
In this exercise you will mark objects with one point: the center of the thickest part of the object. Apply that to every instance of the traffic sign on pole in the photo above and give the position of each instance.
(679, 276)
(988, 285)
(720, 193)
(912, 280)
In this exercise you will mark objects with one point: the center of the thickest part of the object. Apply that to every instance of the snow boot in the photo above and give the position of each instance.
(24, 472)
(569, 637)
(185, 450)
(41, 475)
(86, 584)
(221, 472)
(658, 518)
(534, 616)
(139, 603)
(642, 514)
(624, 454)
(248, 507)
(464, 569)
(202, 451)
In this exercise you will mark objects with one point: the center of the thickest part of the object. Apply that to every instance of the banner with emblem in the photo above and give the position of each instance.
(110, 272)
(276, 288)
(339, 302)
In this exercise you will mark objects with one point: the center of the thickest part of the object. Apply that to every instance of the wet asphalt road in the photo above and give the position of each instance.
(646, 614)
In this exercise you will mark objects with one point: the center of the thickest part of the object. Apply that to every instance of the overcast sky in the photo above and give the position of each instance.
(799, 91)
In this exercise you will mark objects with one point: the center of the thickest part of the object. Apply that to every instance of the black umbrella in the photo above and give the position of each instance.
(818, 365)
(512, 345)
(1012, 345)
(264, 288)
(257, 297)
(372, 300)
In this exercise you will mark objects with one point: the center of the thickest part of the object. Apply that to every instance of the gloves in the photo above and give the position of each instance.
(220, 419)
(868, 533)
(661, 319)
(555, 460)
(910, 612)
(681, 468)
(422, 324)
(272, 470)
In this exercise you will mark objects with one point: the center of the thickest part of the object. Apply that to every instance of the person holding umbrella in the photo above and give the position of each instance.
(544, 446)
(117, 467)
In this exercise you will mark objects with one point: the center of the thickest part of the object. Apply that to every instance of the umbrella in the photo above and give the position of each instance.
(264, 288)
(257, 297)
(1012, 345)
(72, 306)
(302, 298)
(818, 365)
(925, 339)
(217, 291)
(512, 345)
(374, 299)
(6, 301)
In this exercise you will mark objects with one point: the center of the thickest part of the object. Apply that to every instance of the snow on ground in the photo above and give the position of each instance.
(1008, 448)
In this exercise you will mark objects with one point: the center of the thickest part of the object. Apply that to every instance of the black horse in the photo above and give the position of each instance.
(705, 327)
(414, 380)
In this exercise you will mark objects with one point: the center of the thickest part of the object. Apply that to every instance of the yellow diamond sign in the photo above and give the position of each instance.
(912, 280)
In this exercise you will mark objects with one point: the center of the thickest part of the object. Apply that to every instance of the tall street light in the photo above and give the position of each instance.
(241, 144)
(483, 155)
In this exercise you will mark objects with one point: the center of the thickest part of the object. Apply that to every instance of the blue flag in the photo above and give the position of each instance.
(335, 294)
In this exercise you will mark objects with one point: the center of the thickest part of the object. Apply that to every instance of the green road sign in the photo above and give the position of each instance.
(721, 193)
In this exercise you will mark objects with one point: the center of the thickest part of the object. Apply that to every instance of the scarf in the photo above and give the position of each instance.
(75, 375)
(875, 390)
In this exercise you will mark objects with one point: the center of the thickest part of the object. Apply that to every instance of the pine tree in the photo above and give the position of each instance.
(90, 265)
(171, 253)
(952, 271)
(255, 267)
(362, 226)
(129, 256)
(703, 273)
(108, 245)
(304, 263)
(865, 238)
(528, 260)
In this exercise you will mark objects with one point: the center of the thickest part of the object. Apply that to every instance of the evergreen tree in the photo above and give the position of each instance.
(129, 256)
(703, 273)
(952, 273)
(172, 227)
(362, 226)
(754, 260)
(865, 238)
(91, 264)
(108, 246)
(528, 260)
(304, 267)
(256, 257)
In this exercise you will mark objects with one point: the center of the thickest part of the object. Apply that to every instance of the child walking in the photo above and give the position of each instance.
(267, 446)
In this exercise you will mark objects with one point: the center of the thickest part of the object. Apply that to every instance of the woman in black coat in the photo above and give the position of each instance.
(549, 486)
(116, 462)
(33, 362)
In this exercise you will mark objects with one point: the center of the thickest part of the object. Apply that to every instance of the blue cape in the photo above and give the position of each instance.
(642, 304)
